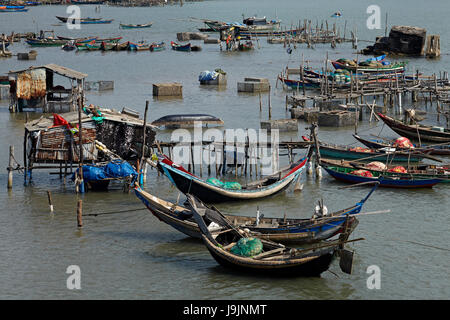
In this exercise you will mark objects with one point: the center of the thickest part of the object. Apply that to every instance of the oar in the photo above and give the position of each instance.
(357, 214)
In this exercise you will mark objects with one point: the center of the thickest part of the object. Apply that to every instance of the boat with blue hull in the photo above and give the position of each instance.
(208, 192)
(284, 230)
(346, 175)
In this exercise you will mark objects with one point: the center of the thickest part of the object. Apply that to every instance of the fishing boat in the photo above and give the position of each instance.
(93, 47)
(260, 24)
(121, 46)
(247, 46)
(13, 9)
(69, 46)
(47, 42)
(233, 248)
(398, 67)
(111, 40)
(380, 143)
(339, 152)
(337, 14)
(417, 131)
(215, 191)
(80, 2)
(283, 230)
(138, 46)
(417, 171)
(107, 46)
(294, 84)
(187, 120)
(84, 20)
(351, 175)
(135, 26)
(179, 47)
(157, 46)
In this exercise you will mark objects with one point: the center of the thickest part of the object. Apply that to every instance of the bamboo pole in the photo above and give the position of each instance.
(10, 167)
(80, 213)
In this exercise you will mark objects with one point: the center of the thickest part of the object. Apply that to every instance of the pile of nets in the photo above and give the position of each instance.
(360, 149)
(398, 169)
(376, 165)
(247, 247)
(362, 173)
(226, 185)
(403, 142)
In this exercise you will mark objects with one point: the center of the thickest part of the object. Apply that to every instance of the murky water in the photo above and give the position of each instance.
(132, 255)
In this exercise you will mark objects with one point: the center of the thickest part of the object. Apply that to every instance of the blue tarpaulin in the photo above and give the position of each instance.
(114, 169)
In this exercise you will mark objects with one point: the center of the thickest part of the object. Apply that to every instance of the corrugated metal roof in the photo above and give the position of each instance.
(63, 71)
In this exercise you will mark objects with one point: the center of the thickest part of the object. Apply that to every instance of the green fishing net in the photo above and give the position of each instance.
(247, 247)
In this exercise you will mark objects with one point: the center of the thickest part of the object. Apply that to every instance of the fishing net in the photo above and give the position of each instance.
(232, 185)
(362, 173)
(215, 182)
(403, 142)
(398, 169)
(360, 149)
(376, 165)
(247, 247)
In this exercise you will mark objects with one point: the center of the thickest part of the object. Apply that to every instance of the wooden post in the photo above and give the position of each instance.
(50, 202)
(80, 160)
(270, 106)
(260, 102)
(80, 213)
(10, 167)
(144, 136)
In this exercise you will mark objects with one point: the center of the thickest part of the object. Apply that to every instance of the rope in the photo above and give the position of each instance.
(111, 212)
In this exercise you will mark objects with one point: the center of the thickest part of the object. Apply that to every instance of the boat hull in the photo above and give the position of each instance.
(384, 181)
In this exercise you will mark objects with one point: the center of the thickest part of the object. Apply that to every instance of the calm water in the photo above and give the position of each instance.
(131, 255)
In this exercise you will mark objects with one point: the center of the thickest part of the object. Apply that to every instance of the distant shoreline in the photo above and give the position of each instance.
(119, 3)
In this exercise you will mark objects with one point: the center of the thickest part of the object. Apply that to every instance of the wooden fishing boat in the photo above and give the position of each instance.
(247, 46)
(294, 84)
(47, 42)
(80, 2)
(187, 120)
(135, 26)
(398, 67)
(422, 171)
(349, 175)
(70, 46)
(157, 46)
(417, 132)
(78, 40)
(339, 152)
(107, 46)
(434, 149)
(283, 230)
(179, 47)
(206, 191)
(13, 9)
(233, 248)
(93, 47)
(84, 20)
(138, 46)
(121, 46)
(109, 40)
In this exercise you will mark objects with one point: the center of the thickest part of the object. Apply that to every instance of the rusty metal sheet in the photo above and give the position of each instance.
(31, 84)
